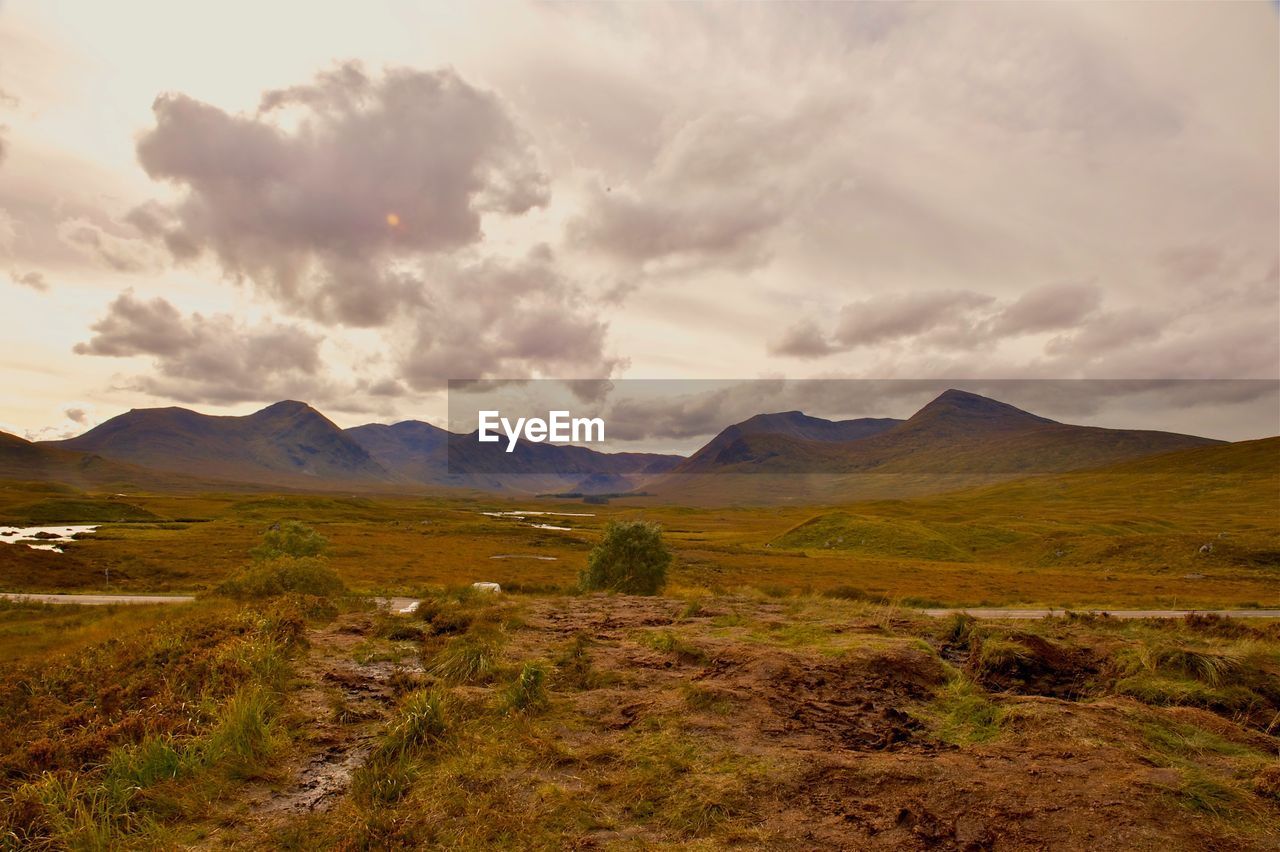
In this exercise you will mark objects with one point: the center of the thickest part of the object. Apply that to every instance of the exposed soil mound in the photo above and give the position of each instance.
(1026, 664)
(853, 701)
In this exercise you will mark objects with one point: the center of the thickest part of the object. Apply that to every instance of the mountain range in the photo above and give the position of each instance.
(291, 445)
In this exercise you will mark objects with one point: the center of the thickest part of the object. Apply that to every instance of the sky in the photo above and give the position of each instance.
(223, 205)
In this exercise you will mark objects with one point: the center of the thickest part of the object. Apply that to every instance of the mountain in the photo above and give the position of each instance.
(756, 436)
(959, 440)
(427, 454)
(411, 449)
(285, 444)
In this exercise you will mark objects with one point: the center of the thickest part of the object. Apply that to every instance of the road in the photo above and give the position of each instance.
(406, 605)
(96, 600)
(1114, 613)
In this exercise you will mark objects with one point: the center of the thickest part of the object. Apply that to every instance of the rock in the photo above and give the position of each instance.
(1206, 548)
(1193, 576)
(486, 587)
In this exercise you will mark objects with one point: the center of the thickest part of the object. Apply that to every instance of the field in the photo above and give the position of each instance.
(1203, 534)
(538, 721)
(783, 693)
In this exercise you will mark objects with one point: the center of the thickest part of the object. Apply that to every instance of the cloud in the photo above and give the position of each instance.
(1046, 309)
(34, 280)
(76, 418)
(888, 318)
(319, 196)
(802, 340)
(121, 253)
(215, 359)
(721, 185)
(504, 319)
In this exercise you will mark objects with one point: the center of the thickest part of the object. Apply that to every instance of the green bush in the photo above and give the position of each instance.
(631, 559)
(308, 575)
(290, 538)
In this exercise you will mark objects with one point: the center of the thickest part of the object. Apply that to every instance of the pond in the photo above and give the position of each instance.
(45, 538)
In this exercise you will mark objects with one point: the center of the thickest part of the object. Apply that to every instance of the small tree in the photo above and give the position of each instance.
(631, 559)
(290, 538)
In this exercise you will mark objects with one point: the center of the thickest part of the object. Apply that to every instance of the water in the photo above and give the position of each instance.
(27, 536)
(521, 515)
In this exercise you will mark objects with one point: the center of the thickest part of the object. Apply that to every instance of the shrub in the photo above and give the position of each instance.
(308, 575)
(290, 538)
(631, 559)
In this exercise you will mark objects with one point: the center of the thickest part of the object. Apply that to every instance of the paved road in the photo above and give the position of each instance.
(1114, 613)
(407, 605)
(97, 600)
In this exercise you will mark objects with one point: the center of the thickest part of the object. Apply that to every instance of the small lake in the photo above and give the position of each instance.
(44, 538)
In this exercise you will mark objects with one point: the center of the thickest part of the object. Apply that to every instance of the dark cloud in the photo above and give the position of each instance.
(34, 280)
(321, 194)
(76, 415)
(209, 359)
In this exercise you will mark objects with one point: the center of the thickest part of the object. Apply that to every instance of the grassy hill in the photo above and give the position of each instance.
(1205, 507)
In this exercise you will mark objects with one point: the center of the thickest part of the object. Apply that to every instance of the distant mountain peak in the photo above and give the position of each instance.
(284, 406)
(953, 403)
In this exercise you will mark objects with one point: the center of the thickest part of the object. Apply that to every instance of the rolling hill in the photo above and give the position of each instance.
(1188, 510)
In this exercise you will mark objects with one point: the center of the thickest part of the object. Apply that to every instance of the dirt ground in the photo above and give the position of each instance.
(819, 738)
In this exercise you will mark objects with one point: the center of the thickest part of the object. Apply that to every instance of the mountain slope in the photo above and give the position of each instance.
(24, 460)
(412, 449)
(756, 436)
(427, 454)
(288, 443)
(957, 433)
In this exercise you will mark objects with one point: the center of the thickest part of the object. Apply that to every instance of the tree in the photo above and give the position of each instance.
(290, 538)
(632, 558)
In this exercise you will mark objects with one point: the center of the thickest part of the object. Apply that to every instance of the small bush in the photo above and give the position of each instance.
(290, 538)
(308, 575)
(632, 559)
